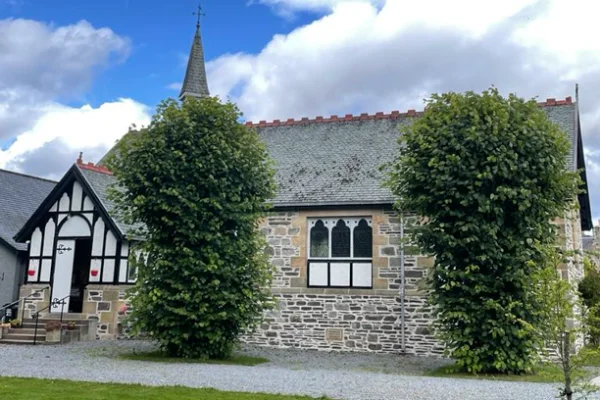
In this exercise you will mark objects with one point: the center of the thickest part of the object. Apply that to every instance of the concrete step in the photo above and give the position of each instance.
(41, 336)
(26, 331)
(30, 324)
(66, 316)
(17, 341)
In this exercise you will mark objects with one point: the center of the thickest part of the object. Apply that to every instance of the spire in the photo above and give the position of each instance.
(194, 83)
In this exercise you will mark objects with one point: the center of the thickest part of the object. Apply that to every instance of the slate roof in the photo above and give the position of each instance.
(99, 181)
(20, 196)
(194, 83)
(335, 161)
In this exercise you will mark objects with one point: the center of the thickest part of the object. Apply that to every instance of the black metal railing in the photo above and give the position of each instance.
(53, 303)
(9, 305)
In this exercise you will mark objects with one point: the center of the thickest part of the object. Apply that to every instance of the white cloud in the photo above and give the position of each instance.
(76, 129)
(287, 7)
(368, 56)
(41, 63)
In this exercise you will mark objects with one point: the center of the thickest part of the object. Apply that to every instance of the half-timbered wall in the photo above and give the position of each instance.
(75, 216)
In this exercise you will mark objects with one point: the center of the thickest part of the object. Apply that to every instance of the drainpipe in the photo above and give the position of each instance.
(402, 279)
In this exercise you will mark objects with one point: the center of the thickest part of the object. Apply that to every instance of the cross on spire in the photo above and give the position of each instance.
(198, 14)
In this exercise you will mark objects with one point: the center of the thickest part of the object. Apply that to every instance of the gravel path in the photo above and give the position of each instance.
(340, 376)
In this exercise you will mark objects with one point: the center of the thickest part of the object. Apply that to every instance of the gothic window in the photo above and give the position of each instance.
(340, 252)
(363, 240)
(319, 241)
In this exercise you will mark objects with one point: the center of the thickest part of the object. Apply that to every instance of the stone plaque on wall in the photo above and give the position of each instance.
(334, 334)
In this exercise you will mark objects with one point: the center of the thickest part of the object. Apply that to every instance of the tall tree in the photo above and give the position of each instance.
(488, 174)
(197, 181)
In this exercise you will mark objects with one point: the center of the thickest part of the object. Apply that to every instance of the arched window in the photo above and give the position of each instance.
(341, 251)
(319, 241)
(363, 240)
(340, 240)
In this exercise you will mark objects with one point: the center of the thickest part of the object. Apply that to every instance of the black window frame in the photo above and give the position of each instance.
(330, 223)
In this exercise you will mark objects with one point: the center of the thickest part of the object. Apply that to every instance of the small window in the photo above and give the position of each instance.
(319, 241)
(341, 250)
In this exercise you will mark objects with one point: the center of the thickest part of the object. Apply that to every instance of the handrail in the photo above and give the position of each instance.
(8, 305)
(54, 302)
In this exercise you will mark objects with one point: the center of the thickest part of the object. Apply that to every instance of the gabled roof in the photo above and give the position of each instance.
(95, 182)
(335, 160)
(99, 180)
(20, 195)
(195, 83)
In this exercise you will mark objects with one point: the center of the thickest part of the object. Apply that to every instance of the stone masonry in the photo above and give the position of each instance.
(345, 319)
(38, 301)
(106, 304)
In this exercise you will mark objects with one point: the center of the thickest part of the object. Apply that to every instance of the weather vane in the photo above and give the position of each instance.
(199, 14)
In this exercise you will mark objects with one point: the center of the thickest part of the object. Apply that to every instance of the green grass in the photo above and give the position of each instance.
(544, 373)
(157, 356)
(42, 389)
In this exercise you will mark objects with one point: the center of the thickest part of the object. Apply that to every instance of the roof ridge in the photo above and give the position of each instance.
(28, 175)
(335, 118)
(91, 167)
(378, 115)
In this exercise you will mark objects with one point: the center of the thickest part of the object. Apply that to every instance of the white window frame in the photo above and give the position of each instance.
(330, 223)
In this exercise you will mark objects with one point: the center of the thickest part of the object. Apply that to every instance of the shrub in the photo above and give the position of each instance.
(489, 174)
(198, 181)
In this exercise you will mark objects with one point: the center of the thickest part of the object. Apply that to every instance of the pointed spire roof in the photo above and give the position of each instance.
(195, 83)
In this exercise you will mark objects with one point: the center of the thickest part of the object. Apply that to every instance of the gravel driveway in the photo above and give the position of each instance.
(337, 375)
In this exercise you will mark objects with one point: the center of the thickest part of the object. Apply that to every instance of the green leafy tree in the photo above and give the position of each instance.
(560, 326)
(589, 290)
(197, 181)
(488, 174)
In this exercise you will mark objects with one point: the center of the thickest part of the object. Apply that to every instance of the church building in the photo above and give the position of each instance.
(343, 281)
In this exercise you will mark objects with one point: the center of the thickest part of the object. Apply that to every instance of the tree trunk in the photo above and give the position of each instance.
(566, 361)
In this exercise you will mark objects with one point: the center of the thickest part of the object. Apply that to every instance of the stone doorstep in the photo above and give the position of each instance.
(66, 316)
(85, 330)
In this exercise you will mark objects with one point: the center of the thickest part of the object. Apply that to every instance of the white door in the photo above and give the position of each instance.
(63, 273)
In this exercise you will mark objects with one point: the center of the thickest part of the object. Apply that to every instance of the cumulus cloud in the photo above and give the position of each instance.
(56, 138)
(42, 65)
(368, 56)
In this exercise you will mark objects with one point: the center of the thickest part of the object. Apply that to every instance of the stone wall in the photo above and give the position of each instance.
(35, 303)
(107, 304)
(347, 322)
(346, 319)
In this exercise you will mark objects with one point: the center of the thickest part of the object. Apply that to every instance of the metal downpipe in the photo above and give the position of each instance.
(402, 283)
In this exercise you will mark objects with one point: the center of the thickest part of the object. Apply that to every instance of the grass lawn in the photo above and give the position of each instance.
(157, 356)
(42, 389)
(545, 373)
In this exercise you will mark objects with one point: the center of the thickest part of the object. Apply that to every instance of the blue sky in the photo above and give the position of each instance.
(161, 34)
(76, 74)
